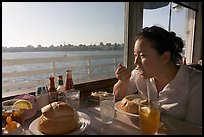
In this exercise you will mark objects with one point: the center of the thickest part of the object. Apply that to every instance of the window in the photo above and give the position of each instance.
(44, 38)
(173, 17)
(107, 34)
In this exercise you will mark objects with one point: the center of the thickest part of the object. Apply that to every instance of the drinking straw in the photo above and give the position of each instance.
(148, 90)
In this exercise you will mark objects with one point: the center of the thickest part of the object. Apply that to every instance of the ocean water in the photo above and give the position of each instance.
(21, 55)
(29, 67)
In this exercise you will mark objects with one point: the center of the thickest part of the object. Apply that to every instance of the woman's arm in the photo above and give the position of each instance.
(120, 88)
(194, 106)
(123, 76)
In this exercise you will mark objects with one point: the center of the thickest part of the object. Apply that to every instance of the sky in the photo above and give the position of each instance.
(161, 16)
(56, 23)
(34, 23)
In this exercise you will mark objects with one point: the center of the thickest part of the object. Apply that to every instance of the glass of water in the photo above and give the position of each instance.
(73, 98)
(107, 111)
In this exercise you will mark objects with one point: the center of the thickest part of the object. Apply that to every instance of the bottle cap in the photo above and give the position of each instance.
(60, 76)
(68, 70)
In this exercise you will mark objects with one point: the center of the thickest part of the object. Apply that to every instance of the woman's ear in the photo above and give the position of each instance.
(165, 58)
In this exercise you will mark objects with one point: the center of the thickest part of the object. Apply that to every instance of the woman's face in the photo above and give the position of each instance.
(147, 59)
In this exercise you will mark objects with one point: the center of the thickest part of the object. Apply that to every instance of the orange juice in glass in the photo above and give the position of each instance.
(149, 117)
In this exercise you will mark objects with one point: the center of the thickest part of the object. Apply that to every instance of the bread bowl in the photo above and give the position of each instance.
(58, 118)
(130, 103)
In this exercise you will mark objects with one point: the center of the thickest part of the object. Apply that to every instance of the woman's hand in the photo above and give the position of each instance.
(122, 73)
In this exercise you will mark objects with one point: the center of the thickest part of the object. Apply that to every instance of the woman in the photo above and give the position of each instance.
(177, 87)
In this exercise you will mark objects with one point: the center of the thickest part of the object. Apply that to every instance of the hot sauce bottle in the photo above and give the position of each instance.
(52, 90)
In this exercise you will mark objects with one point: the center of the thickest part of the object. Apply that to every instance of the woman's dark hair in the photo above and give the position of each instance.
(163, 40)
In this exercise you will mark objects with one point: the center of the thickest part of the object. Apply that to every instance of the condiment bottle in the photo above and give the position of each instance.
(184, 60)
(69, 81)
(60, 89)
(52, 90)
(42, 97)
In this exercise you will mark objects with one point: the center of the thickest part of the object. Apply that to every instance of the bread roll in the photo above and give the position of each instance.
(57, 118)
(130, 103)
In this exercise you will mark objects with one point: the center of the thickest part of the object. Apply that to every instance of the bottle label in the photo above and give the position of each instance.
(52, 96)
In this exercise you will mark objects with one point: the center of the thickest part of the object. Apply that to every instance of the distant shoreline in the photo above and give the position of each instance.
(58, 50)
(64, 48)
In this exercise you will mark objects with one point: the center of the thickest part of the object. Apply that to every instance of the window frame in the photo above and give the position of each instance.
(194, 53)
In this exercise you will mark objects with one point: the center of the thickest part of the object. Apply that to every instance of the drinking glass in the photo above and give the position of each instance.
(149, 117)
(73, 98)
(107, 111)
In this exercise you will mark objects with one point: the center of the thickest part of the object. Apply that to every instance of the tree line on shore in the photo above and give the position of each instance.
(69, 47)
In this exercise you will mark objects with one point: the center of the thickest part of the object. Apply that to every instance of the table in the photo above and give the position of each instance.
(122, 124)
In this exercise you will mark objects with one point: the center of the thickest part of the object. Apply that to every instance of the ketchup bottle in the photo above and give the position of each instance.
(69, 81)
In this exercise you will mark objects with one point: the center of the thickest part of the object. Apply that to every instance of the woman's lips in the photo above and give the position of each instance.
(141, 71)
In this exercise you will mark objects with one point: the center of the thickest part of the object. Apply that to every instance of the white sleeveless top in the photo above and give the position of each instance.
(180, 98)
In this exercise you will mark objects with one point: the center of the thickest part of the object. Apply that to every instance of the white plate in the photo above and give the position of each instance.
(84, 120)
(94, 99)
(22, 133)
(117, 107)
